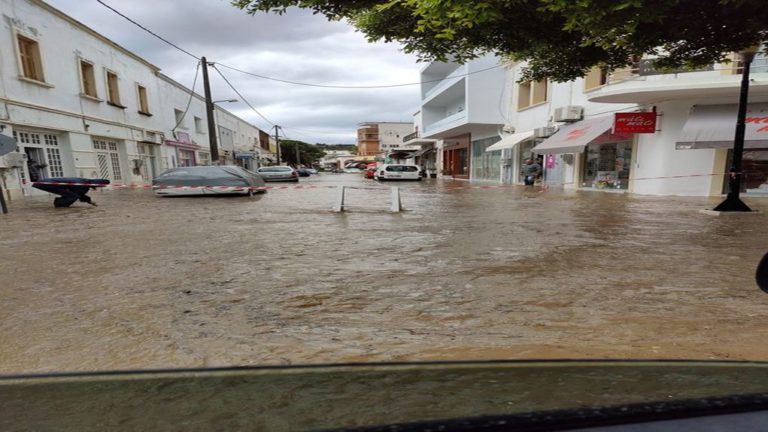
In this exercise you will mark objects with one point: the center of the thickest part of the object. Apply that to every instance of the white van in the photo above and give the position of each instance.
(398, 172)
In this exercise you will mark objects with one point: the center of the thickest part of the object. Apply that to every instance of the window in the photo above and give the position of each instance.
(595, 78)
(87, 79)
(186, 158)
(203, 158)
(199, 125)
(179, 116)
(532, 93)
(113, 91)
(29, 56)
(143, 100)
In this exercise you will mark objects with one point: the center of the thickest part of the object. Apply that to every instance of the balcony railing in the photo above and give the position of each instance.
(446, 121)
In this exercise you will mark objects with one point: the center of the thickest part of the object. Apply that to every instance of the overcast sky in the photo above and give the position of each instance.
(297, 46)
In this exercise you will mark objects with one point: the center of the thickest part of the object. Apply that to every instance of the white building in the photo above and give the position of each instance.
(87, 107)
(462, 105)
(679, 158)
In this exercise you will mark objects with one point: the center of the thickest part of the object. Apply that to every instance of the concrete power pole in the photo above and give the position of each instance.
(277, 142)
(209, 113)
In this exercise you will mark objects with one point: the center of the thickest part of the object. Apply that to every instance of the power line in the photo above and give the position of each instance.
(354, 86)
(191, 96)
(317, 131)
(148, 30)
(284, 80)
(241, 96)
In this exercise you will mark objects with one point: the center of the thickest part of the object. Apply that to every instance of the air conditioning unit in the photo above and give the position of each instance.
(569, 113)
(544, 132)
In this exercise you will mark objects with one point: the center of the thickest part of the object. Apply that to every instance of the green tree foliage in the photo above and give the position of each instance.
(308, 153)
(560, 39)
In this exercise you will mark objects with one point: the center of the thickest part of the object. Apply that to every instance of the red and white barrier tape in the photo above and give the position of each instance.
(312, 186)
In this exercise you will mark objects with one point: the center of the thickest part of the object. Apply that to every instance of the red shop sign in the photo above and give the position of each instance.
(638, 122)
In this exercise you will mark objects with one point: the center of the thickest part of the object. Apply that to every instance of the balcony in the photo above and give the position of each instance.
(643, 84)
(445, 122)
(454, 78)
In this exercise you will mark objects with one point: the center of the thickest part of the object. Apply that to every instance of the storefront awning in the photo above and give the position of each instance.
(420, 153)
(572, 138)
(510, 141)
(714, 126)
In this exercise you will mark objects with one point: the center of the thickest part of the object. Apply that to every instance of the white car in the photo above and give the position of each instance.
(398, 172)
(352, 170)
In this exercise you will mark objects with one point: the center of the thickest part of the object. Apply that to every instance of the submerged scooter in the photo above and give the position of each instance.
(70, 189)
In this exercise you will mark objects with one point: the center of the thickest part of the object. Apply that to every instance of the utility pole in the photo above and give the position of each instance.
(277, 143)
(209, 113)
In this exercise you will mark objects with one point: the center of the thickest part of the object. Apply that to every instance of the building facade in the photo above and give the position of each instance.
(380, 138)
(84, 106)
(572, 129)
(462, 107)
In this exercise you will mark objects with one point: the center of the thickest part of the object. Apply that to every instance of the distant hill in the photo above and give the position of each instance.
(349, 147)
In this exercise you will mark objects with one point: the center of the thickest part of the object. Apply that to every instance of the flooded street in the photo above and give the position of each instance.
(148, 282)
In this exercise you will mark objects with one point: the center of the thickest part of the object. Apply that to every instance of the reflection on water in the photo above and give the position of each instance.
(146, 282)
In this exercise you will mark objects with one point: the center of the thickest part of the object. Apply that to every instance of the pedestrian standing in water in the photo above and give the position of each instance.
(531, 171)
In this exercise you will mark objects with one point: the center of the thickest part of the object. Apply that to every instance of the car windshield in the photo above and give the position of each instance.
(280, 184)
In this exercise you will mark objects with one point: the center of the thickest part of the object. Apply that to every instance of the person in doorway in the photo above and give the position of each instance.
(34, 168)
(531, 171)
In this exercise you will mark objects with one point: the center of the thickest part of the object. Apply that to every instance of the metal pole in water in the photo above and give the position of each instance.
(338, 206)
(396, 205)
(3, 205)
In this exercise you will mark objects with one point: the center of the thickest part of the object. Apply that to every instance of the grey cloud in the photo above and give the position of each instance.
(297, 46)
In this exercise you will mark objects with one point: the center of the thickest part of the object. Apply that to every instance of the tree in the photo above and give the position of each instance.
(560, 39)
(308, 153)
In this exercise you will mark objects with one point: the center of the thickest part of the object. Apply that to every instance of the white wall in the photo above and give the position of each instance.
(484, 92)
(57, 106)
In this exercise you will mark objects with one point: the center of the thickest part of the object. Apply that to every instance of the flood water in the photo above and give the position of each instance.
(149, 282)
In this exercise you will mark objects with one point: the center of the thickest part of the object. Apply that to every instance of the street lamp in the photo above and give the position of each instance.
(732, 202)
(226, 100)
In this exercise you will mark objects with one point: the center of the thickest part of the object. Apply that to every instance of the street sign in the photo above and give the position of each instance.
(7, 144)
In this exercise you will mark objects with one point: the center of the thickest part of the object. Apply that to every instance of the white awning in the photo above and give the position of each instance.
(714, 126)
(572, 138)
(510, 141)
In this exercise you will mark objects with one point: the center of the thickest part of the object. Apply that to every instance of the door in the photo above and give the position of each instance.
(147, 157)
(108, 159)
(42, 148)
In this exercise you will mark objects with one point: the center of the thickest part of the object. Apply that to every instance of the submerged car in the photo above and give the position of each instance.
(278, 173)
(207, 180)
(398, 172)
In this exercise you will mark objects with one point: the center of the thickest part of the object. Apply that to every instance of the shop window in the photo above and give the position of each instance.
(141, 92)
(607, 166)
(29, 57)
(532, 93)
(113, 89)
(203, 158)
(88, 79)
(596, 77)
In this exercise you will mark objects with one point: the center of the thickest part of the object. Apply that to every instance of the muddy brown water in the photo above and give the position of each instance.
(149, 282)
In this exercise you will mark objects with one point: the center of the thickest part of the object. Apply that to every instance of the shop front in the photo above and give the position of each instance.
(486, 165)
(183, 154)
(713, 127)
(606, 158)
(457, 156)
